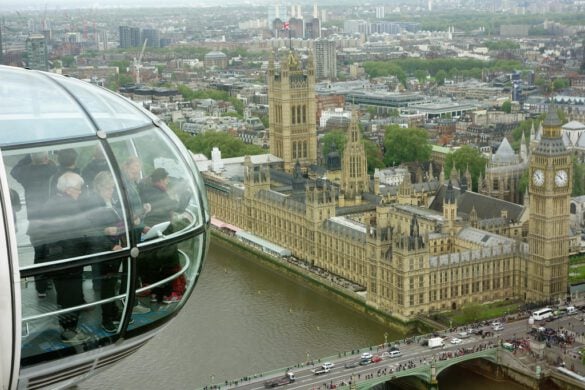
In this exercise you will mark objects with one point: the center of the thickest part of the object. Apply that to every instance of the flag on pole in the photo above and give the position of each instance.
(285, 26)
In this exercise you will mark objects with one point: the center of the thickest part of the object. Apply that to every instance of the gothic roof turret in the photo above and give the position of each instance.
(464, 183)
(333, 159)
(298, 181)
(552, 118)
(450, 194)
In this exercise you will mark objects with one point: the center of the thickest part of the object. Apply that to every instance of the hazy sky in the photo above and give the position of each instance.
(53, 4)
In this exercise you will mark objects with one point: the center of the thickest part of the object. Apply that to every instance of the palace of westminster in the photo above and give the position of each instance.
(416, 248)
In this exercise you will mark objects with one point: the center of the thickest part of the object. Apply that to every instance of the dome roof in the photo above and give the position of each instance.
(215, 54)
(33, 109)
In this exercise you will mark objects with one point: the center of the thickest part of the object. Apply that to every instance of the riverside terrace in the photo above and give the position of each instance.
(534, 364)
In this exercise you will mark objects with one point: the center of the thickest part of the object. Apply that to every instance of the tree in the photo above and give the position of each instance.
(471, 312)
(559, 84)
(507, 106)
(68, 61)
(373, 155)
(421, 75)
(578, 178)
(339, 139)
(464, 158)
(406, 145)
(440, 77)
(230, 146)
(335, 137)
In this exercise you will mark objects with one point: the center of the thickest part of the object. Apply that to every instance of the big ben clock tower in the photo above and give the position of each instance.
(550, 186)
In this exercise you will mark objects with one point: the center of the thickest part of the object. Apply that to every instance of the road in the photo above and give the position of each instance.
(413, 354)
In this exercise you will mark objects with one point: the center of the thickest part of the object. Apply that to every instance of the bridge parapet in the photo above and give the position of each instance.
(428, 372)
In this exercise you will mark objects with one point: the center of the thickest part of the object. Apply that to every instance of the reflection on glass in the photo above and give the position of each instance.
(167, 275)
(70, 318)
(73, 217)
(74, 213)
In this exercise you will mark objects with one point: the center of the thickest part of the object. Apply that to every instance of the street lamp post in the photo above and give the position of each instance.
(385, 338)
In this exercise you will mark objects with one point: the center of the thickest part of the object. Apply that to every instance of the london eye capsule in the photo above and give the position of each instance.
(105, 228)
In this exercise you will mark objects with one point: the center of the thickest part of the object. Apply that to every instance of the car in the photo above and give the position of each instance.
(366, 355)
(497, 328)
(321, 370)
(496, 323)
(394, 354)
(365, 362)
(352, 364)
(328, 365)
(455, 340)
(376, 359)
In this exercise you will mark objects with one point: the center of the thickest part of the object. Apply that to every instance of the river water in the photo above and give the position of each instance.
(244, 319)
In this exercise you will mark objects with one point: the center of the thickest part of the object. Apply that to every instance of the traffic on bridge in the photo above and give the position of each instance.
(426, 356)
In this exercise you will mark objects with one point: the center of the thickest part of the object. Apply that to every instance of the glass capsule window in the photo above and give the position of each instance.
(108, 211)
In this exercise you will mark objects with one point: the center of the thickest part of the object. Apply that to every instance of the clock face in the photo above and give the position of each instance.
(538, 177)
(561, 178)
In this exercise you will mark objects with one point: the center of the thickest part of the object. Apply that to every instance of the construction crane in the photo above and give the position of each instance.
(138, 63)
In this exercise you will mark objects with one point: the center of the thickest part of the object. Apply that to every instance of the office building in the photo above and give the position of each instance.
(325, 60)
(37, 53)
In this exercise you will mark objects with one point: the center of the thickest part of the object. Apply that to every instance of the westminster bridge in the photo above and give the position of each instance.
(421, 365)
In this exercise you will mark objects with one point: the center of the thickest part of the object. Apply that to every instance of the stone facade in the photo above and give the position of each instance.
(292, 111)
(410, 258)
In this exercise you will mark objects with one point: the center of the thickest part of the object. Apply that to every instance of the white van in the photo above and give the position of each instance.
(394, 354)
(571, 310)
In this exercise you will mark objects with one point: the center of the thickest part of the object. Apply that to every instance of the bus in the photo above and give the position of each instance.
(542, 314)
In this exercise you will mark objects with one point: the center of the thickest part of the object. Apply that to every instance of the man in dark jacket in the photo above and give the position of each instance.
(34, 173)
(64, 231)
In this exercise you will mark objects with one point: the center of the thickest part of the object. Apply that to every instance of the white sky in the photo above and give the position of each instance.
(11, 5)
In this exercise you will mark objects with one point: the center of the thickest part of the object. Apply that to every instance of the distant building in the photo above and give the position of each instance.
(215, 59)
(152, 36)
(125, 41)
(325, 60)
(313, 29)
(514, 30)
(380, 12)
(1, 49)
(135, 40)
(36, 52)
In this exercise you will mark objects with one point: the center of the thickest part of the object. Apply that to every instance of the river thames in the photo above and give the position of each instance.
(244, 319)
